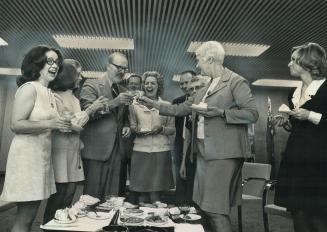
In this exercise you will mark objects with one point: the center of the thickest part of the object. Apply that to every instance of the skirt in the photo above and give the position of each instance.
(151, 172)
(217, 184)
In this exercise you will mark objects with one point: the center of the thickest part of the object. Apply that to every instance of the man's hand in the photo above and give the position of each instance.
(211, 112)
(126, 132)
(124, 99)
(182, 171)
(301, 114)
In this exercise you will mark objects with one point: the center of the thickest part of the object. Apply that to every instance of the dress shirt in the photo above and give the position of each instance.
(299, 99)
(200, 131)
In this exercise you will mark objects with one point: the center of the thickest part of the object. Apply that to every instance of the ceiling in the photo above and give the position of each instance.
(163, 29)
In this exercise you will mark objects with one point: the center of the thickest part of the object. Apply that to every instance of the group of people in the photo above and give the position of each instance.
(70, 129)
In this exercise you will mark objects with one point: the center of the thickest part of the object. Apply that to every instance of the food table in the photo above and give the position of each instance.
(92, 223)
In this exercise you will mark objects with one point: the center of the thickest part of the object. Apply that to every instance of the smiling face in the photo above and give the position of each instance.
(151, 87)
(134, 83)
(295, 69)
(49, 72)
(185, 81)
(194, 87)
(117, 68)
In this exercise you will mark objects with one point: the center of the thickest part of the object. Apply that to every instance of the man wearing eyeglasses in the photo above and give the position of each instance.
(102, 135)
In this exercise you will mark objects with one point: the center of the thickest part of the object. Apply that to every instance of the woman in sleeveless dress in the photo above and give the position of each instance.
(66, 146)
(29, 172)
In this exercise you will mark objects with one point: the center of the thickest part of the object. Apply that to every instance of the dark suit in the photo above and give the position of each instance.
(224, 139)
(184, 188)
(102, 141)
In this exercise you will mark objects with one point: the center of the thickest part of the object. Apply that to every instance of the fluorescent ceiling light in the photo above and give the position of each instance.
(93, 74)
(17, 72)
(176, 77)
(2, 42)
(276, 83)
(10, 71)
(94, 42)
(235, 49)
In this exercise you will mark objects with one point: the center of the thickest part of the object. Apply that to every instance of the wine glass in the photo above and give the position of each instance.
(185, 209)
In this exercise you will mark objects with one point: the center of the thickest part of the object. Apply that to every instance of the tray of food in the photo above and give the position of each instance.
(156, 220)
(131, 221)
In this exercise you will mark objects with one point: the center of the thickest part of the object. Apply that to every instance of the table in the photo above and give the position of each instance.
(92, 225)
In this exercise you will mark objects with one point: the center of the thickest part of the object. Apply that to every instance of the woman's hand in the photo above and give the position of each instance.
(300, 113)
(279, 120)
(126, 132)
(60, 123)
(211, 112)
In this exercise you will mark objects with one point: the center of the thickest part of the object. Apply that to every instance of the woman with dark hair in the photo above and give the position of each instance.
(66, 146)
(151, 170)
(29, 172)
(302, 178)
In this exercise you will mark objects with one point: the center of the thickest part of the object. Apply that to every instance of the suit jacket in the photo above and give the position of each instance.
(224, 137)
(179, 125)
(102, 131)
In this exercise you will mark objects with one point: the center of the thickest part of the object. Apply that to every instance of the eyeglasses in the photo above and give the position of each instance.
(120, 67)
(51, 61)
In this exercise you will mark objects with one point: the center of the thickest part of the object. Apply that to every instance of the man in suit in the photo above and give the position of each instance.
(220, 134)
(103, 133)
(182, 187)
(133, 84)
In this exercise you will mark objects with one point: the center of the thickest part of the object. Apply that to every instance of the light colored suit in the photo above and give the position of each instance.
(224, 137)
(225, 145)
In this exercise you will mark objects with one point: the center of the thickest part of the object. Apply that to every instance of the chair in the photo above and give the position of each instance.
(272, 208)
(254, 179)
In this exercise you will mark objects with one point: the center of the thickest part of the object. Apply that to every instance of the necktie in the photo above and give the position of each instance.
(188, 122)
(115, 90)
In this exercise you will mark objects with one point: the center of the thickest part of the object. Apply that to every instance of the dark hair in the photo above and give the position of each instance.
(33, 63)
(188, 71)
(67, 77)
(134, 75)
(159, 78)
(312, 58)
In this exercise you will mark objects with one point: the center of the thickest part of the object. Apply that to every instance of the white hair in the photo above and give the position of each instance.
(211, 49)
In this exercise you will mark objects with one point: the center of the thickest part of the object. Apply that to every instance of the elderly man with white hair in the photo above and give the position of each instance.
(220, 134)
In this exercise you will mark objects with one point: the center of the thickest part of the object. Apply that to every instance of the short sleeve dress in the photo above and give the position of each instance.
(29, 171)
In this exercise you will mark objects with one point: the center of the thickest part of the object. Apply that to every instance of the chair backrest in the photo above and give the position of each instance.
(255, 170)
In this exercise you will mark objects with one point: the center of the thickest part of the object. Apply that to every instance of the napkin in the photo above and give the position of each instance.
(284, 109)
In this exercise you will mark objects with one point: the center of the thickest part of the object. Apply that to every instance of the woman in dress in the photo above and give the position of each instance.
(66, 146)
(302, 179)
(151, 170)
(29, 172)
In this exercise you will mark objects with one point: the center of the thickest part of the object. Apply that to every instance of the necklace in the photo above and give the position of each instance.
(50, 96)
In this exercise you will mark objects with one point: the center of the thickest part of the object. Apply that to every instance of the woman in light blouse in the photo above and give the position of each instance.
(302, 179)
(151, 170)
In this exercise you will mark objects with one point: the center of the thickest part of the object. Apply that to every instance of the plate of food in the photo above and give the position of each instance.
(156, 220)
(190, 217)
(200, 106)
(131, 221)
(133, 212)
(98, 215)
(63, 216)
